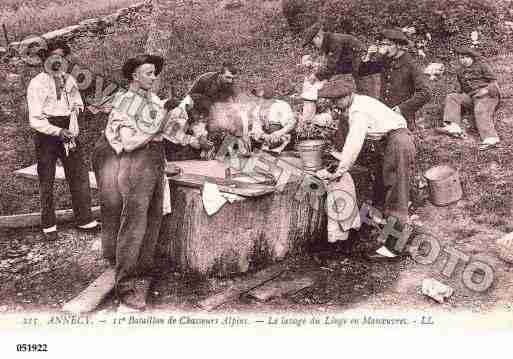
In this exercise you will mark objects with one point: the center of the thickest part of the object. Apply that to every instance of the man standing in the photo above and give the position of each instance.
(372, 121)
(54, 103)
(129, 166)
(403, 87)
(478, 90)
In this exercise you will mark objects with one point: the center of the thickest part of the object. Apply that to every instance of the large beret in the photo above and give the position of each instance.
(394, 35)
(462, 50)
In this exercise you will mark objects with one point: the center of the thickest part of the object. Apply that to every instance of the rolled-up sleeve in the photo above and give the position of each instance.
(176, 128)
(354, 140)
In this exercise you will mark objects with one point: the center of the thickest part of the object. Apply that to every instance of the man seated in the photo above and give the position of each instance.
(371, 120)
(478, 90)
(272, 121)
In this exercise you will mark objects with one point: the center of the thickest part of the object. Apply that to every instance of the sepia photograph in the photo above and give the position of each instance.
(317, 165)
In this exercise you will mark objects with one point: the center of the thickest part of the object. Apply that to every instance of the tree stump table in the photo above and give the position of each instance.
(246, 233)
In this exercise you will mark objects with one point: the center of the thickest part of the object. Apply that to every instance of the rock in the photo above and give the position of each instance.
(111, 19)
(3, 51)
(436, 290)
(122, 12)
(234, 4)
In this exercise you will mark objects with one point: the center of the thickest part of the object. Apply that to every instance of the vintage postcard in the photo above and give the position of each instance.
(231, 166)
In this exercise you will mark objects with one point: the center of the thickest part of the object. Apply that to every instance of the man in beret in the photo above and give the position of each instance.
(403, 87)
(478, 90)
(343, 55)
(129, 165)
(370, 120)
(54, 103)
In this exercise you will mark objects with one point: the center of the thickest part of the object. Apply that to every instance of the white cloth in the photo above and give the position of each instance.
(42, 102)
(166, 203)
(73, 123)
(212, 198)
(341, 208)
(311, 89)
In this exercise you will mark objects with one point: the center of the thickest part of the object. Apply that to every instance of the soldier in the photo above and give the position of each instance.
(129, 166)
(478, 90)
(54, 104)
(370, 120)
(403, 87)
(343, 54)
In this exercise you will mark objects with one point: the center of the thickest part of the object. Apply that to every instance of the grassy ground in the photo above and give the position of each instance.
(199, 36)
(23, 18)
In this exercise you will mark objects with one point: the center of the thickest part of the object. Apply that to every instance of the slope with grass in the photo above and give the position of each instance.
(23, 18)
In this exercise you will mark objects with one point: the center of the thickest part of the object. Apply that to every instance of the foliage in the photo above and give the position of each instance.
(447, 21)
(23, 18)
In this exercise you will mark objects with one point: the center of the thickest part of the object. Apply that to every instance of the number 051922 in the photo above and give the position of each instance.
(31, 348)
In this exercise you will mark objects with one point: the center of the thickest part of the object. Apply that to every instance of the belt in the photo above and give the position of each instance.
(59, 121)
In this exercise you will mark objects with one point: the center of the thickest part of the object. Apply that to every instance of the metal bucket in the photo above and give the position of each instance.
(444, 185)
(310, 152)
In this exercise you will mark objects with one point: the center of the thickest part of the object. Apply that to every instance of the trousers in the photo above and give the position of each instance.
(131, 196)
(484, 109)
(394, 169)
(48, 150)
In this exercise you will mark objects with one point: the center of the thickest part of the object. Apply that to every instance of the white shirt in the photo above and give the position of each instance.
(131, 114)
(368, 119)
(273, 112)
(42, 102)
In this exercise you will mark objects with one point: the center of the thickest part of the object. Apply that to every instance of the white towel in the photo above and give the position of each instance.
(342, 208)
(166, 203)
(73, 123)
(212, 198)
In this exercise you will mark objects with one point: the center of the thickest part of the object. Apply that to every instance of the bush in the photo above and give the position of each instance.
(448, 21)
(301, 13)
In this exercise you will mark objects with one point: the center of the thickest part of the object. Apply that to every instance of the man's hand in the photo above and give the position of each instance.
(65, 135)
(274, 139)
(205, 144)
(481, 93)
(336, 154)
(323, 174)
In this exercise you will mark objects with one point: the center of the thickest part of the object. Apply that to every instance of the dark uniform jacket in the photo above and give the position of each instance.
(477, 76)
(207, 89)
(403, 85)
(344, 55)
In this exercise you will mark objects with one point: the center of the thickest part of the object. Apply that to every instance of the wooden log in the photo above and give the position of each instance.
(243, 286)
(280, 287)
(31, 173)
(34, 219)
(94, 294)
(260, 230)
